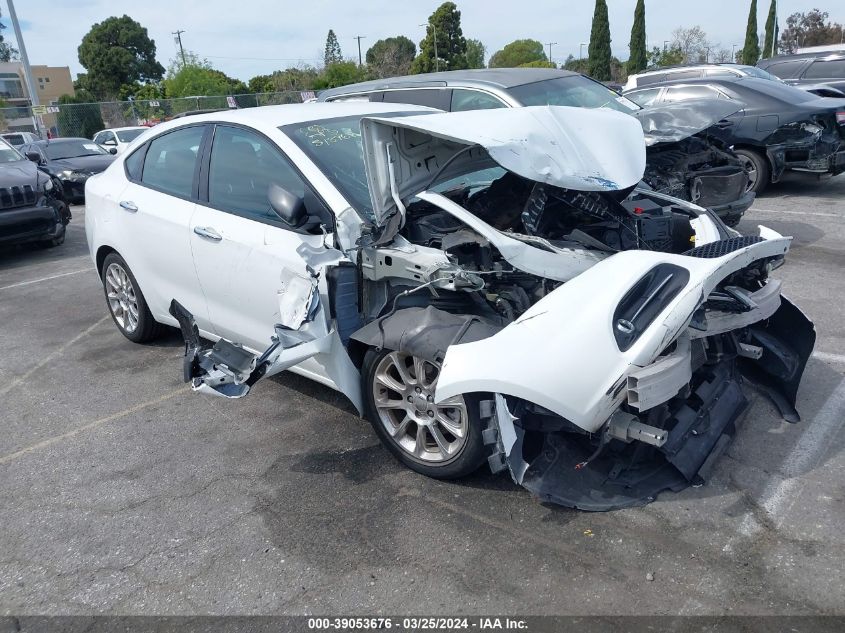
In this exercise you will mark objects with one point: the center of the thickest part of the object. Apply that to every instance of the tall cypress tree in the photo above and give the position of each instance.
(332, 54)
(771, 30)
(751, 49)
(599, 50)
(638, 60)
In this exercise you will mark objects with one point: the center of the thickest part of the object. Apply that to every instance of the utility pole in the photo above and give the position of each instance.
(733, 53)
(178, 38)
(581, 51)
(359, 38)
(436, 56)
(550, 44)
(27, 71)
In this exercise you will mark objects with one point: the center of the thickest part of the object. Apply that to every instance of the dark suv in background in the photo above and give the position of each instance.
(32, 208)
(808, 68)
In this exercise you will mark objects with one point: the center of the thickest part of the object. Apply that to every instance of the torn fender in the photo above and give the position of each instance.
(563, 353)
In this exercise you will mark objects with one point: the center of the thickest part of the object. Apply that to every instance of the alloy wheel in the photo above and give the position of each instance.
(123, 301)
(750, 169)
(403, 393)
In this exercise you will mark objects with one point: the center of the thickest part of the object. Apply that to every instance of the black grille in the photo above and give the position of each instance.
(723, 247)
(13, 197)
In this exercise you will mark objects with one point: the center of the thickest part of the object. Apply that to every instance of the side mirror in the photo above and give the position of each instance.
(113, 151)
(35, 157)
(289, 207)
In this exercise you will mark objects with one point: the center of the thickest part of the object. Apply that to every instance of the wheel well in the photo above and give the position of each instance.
(102, 253)
(760, 151)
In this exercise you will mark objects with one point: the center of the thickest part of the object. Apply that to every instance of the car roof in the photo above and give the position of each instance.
(799, 56)
(278, 115)
(481, 77)
(125, 127)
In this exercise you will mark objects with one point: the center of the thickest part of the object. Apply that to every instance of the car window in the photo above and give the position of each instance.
(108, 138)
(134, 164)
(9, 154)
(647, 80)
(784, 70)
(171, 161)
(720, 72)
(15, 139)
(644, 97)
(683, 93)
(575, 90)
(830, 69)
(243, 166)
(433, 97)
(126, 136)
(677, 75)
(474, 100)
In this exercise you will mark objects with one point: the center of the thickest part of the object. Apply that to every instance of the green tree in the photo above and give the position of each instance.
(751, 50)
(638, 59)
(475, 54)
(660, 57)
(391, 57)
(7, 51)
(339, 74)
(332, 54)
(771, 31)
(599, 49)
(576, 65)
(517, 53)
(261, 83)
(444, 25)
(809, 29)
(195, 77)
(78, 116)
(538, 63)
(115, 52)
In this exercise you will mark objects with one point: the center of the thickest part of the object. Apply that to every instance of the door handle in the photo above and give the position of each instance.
(208, 232)
(128, 205)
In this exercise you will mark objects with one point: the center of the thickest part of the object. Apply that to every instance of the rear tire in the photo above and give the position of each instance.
(757, 167)
(126, 302)
(440, 441)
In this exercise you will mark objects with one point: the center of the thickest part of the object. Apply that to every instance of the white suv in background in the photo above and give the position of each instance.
(679, 73)
(118, 138)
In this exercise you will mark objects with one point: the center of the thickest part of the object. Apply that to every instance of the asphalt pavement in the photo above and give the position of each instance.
(121, 492)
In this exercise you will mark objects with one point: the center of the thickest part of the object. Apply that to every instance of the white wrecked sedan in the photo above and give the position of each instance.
(488, 286)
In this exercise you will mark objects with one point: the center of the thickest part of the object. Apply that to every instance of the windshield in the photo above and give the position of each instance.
(9, 154)
(753, 71)
(575, 91)
(129, 135)
(73, 149)
(335, 146)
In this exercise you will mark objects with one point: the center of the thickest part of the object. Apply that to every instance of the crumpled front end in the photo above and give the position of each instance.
(815, 146)
(608, 416)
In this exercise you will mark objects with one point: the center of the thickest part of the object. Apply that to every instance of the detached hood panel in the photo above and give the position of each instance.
(672, 122)
(575, 148)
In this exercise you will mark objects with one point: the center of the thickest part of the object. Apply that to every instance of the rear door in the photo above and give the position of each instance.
(155, 209)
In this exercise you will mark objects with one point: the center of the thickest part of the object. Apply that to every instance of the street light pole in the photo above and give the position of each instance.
(27, 71)
(733, 52)
(581, 51)
(550, 44)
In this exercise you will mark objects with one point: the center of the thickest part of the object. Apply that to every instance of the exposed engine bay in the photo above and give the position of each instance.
(599, 332)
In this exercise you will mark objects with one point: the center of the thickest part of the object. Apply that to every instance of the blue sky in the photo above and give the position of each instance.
(258, 36)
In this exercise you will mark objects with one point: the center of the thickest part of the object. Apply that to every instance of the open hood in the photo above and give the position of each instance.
(575, 148)
(673, 122)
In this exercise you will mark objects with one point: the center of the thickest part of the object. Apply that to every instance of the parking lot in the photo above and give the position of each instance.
(123, 492)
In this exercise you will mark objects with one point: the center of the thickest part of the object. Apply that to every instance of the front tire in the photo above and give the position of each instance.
(126, 302)
(441, 441)
(757, 167)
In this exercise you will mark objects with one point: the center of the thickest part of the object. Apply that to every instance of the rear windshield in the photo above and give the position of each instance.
(777, 90)
(14, 139)
(575, 91)
(129, 135)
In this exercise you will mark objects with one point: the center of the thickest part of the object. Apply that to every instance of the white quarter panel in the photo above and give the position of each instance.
(562, 354)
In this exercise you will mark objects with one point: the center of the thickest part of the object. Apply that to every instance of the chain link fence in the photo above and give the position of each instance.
(86, 119)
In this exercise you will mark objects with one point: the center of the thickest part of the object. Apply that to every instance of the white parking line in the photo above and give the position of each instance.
(38, 281)
(830, 358)
(815, 213)
(779, 495)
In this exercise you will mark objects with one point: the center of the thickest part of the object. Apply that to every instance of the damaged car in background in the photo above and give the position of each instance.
(684, 158)
(776, 127)
(487, 286)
